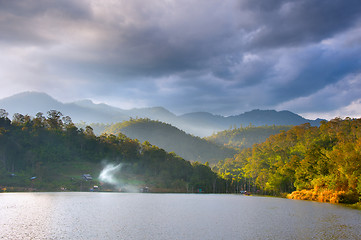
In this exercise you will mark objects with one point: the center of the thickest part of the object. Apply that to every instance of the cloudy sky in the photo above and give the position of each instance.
(224, 57)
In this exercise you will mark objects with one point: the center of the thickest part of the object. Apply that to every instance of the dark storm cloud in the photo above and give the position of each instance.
(336, 96)
(31, 21)
(34, 8)
(291, 23)
(183, 38)
(225, 57)
(323, 68)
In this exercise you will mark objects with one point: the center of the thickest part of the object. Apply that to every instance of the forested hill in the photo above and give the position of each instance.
(172, 140)
(50, 153)
(245, 137)
(321, 163)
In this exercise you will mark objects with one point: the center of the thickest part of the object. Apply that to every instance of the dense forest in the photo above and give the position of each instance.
(245, 137)
(316, 163)
(172, 140)
(50, 152)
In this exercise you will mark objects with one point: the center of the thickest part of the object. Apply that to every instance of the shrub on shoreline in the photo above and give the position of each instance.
(325, 195)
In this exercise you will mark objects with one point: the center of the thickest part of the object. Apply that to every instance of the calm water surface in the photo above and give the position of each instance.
(171, 216)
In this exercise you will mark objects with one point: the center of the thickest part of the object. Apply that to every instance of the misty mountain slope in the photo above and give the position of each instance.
(33, 102)
(201, 123)
(172, 139)
(270, 117)
(80, 111)
(245, 137)
(29, 103)
(88, 104)
(255, 117)
(198, 123)
(156, 113)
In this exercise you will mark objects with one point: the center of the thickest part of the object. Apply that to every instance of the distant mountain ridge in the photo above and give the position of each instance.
(196, 123)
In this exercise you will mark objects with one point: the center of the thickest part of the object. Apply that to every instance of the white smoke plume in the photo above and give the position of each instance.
(111, 175)
(108, 174)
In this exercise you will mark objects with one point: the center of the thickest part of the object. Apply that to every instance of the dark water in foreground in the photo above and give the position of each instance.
(171, 216)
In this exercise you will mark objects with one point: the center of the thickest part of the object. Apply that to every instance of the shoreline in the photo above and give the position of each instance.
(356, 206)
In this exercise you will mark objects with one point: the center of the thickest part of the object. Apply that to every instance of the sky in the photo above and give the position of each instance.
(224, 57)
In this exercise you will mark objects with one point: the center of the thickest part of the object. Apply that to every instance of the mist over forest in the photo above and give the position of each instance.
(200, 124)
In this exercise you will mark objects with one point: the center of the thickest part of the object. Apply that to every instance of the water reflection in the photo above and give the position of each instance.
(170, 216)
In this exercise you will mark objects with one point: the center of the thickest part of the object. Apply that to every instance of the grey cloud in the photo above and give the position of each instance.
(136, 46)
(34, 8)
(335, 96)
(168, 38)
(170, 45)
(30, 22)
(322, 69)
(291, 23)
(223, 57)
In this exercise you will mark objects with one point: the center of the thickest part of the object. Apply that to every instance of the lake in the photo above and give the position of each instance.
(73, 215)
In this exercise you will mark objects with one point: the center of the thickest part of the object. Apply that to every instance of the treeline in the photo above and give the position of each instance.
(319, 163)
(245, 137)
(172, 139)
(39, 146)
(98, 128)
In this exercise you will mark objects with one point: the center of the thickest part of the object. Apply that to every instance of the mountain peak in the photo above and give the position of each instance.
(29, 103)
(30, 95)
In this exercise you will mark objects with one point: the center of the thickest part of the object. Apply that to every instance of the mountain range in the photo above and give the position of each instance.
(196, 123)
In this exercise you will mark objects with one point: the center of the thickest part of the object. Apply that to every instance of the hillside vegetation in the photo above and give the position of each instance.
(316, 163)
(50, 153)
(172, 140)
(245, 137)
